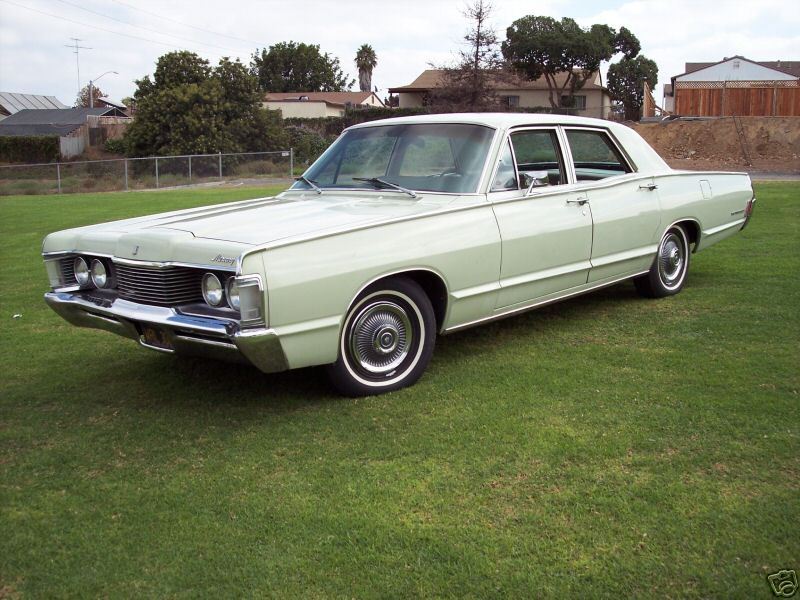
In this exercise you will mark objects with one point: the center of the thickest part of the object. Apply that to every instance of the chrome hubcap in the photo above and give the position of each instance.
(381, 337)
(670, 260)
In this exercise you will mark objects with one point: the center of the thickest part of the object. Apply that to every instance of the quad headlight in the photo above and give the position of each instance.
(213, 292)
(99, 273)
(81, 269)
(232, 293)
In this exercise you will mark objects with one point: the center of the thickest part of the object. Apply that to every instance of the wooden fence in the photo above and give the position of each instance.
(740, 98)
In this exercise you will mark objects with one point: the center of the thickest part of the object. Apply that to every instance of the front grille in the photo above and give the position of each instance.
(169, 286)
(68, 271)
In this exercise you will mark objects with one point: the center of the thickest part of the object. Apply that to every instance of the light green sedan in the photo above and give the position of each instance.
(403, 229)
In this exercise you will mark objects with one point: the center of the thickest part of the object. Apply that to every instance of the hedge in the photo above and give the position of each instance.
(29, 148)
(334, 125)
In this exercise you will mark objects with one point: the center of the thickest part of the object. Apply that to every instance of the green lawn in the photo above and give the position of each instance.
(605, 446)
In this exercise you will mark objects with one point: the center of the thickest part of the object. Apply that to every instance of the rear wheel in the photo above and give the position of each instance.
(387, 339)
(668, 272)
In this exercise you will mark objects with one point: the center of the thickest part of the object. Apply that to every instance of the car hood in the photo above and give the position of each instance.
(291, 215)
(228, 229)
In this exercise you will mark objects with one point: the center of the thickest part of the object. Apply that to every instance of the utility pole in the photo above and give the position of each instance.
(76, 48)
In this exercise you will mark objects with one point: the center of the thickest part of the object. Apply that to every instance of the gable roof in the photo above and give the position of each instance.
(11, 102)
(434, 78)
(789, 67)
(339, 98)
(111, 103)
(54, 121)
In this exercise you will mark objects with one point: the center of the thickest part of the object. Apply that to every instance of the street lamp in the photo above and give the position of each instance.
(91, 87)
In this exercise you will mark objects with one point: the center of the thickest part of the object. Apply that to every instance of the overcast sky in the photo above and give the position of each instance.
(128, 36)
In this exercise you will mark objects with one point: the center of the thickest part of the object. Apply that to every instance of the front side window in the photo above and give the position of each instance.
(538, 155)
(506, 175)
(437, 157)
(595, 155)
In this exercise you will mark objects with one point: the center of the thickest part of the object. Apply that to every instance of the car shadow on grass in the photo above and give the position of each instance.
(195, 384)
(546, 320)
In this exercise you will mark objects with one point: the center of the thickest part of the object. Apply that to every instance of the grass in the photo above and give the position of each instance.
(605, 446)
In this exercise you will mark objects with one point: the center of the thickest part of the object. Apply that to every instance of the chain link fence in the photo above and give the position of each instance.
(143, 173)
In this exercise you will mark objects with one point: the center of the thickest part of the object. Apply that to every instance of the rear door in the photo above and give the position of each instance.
(624, 205)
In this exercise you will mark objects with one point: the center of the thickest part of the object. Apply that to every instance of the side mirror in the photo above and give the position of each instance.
(533, 179)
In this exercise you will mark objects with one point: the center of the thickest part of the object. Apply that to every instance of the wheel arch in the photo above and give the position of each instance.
(692, 228)
(431, 282)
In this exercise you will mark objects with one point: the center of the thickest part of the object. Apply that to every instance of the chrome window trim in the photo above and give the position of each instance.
(625, 156)
(567, 161)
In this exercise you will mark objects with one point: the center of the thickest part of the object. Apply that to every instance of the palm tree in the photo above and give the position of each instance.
(366, 60)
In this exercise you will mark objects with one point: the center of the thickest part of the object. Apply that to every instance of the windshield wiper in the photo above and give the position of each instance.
(378, 182)
(310, 182)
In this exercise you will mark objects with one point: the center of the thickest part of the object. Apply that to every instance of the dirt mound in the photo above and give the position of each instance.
(772, 142)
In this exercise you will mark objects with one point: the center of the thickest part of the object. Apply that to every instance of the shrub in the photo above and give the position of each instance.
(116, 146)
(29, 148)
(307, 143)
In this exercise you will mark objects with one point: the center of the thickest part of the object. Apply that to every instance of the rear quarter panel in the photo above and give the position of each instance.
(715, 201)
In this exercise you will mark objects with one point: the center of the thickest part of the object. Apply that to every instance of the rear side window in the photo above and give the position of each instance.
(595, 155)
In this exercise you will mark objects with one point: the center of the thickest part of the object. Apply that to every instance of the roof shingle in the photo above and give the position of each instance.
(433, 79)
(54, 121)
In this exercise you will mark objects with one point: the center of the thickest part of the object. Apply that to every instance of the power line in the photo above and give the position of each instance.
(152, 14)
(127, 35)
(157, 32)
(76, 49)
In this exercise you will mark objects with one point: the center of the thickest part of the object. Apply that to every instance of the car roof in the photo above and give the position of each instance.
(496, 120)
(644, 157)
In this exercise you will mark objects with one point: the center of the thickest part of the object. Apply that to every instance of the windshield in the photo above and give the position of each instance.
(434, 157)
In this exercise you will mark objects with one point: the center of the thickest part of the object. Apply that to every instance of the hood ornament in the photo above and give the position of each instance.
(135, 250)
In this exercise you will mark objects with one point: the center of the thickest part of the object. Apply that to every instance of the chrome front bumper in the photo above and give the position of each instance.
(188, 334)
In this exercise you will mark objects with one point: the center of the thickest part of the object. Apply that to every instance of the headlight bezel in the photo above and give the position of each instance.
(252, 301)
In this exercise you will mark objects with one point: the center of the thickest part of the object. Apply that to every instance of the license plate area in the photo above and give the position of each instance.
(158, 339)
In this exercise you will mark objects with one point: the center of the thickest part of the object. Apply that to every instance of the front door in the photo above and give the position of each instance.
(547, 233)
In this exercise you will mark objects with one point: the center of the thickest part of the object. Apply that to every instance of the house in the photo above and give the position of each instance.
(592, 100)
(312, 105)
(11, 103)
(107, 102)
(735, 86)
(73, 126)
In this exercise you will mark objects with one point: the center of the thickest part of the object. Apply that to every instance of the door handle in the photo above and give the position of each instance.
(650, 187)
(578, 201)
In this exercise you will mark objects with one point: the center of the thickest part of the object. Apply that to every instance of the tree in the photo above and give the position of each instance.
(191, 108)
(293, 67)
(83, 96)
(366, 60)
(543, 47)
(469, 84)
(626, 81)
(130, 104)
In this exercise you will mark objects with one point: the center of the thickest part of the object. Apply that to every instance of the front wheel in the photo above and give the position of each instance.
(668, 272)
(387, 339)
